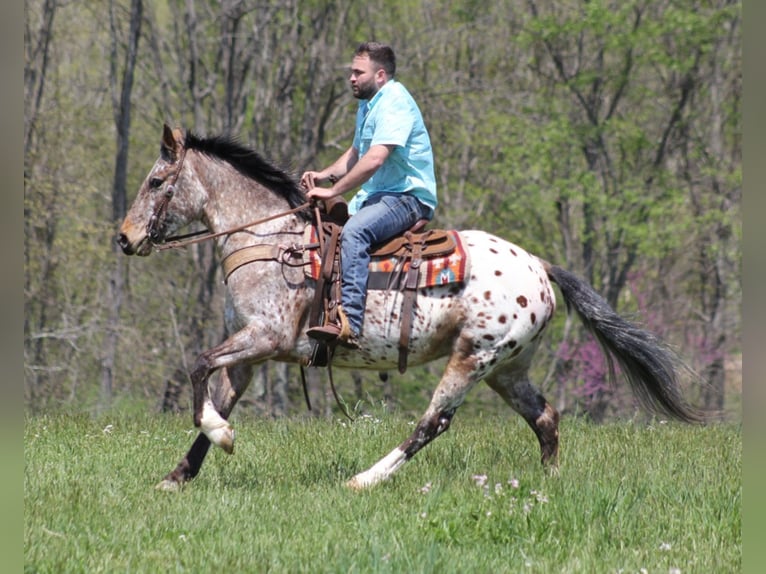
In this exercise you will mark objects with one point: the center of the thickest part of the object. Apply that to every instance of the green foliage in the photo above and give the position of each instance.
(628, 497)
(603, 136)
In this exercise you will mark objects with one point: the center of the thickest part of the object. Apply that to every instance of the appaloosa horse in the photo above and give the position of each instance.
(489, 326)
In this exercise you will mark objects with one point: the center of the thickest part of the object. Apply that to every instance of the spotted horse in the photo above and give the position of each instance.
(488, 327)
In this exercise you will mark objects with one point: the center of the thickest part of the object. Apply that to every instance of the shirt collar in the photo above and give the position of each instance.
(367, 105)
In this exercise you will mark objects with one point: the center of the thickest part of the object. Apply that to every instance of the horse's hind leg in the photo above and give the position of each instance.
(431, 425)
(233, 383)
(527, 400)
(457, 380)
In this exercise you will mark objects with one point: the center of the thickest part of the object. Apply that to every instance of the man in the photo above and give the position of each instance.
(392, 160)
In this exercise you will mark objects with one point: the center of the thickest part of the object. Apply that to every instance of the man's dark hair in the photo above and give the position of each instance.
(382, 54)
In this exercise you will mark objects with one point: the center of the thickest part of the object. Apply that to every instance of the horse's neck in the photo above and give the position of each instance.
(235, 201)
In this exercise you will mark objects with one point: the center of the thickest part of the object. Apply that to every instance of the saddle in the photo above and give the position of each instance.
(395, 265)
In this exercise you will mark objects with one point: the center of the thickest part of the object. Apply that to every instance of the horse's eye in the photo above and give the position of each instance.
(155, 182)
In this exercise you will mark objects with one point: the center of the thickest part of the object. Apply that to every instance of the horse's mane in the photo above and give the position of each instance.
(251, 164)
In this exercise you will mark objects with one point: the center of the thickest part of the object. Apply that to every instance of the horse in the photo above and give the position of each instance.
(488, 327)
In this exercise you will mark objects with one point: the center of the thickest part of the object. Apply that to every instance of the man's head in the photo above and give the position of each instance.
(372, 66)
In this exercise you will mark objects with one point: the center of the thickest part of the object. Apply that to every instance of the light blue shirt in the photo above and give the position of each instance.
(392, 117)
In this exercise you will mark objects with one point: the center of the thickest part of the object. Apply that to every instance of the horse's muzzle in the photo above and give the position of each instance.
(127, 247)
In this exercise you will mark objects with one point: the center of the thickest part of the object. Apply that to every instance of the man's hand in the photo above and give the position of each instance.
(311, 179)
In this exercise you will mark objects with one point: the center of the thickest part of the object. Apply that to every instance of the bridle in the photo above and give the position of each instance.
(157, 220)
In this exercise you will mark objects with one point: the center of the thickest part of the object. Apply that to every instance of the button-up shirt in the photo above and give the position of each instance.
(392, 117)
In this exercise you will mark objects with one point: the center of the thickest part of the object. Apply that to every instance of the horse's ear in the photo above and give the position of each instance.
(171, 143)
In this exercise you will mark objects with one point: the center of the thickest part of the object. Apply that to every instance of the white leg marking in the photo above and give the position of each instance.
(380, 471)
(216, 428)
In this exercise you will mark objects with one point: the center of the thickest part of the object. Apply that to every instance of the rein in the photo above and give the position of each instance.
(200, 236)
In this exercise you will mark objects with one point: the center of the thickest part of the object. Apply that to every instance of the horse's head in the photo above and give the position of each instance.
(185, 184)
(157, 210)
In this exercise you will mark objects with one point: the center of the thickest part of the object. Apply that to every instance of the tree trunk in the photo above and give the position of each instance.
(122, 109)
(36, 66)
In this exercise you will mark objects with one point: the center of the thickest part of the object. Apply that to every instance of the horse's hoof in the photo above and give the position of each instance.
(357, 484)
(168, 486)
(223, 437)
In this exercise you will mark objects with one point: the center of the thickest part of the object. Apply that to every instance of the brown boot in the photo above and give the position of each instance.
(326, 333)
(332, 332)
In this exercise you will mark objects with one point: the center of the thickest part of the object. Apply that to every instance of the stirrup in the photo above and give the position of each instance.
(332, 332)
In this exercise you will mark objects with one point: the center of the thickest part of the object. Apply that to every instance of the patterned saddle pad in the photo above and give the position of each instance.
(388, 272)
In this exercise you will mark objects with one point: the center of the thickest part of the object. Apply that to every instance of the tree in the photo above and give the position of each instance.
(600, 135)
(37, 230)
(122, 88)
(632, 80)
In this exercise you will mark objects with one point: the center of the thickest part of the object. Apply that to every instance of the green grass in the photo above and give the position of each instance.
(663, 497)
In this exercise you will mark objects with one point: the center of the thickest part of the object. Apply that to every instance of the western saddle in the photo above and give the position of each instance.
(413, 247)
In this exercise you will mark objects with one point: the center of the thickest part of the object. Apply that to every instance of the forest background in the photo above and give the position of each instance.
(601, 135)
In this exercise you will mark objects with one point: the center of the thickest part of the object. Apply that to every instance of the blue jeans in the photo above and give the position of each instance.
(382, 217)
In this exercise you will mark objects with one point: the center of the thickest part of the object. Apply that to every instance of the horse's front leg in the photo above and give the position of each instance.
(234, 382)
(240, 348)
(206, 417)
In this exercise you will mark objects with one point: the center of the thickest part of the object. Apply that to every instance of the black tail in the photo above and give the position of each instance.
(649, 365)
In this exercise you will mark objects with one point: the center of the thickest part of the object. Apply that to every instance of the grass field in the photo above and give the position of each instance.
(659, 498)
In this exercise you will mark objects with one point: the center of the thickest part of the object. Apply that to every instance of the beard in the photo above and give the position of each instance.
(364, 91)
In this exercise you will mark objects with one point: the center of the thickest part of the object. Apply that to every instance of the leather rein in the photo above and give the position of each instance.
(199, 236)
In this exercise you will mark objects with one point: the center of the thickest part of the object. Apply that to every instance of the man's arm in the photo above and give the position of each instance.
(362, 170)
(339, 168)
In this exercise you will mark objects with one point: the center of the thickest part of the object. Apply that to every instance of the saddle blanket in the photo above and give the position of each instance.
(389, 272)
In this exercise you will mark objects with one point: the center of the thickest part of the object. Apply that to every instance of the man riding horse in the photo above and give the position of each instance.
(392, 160)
